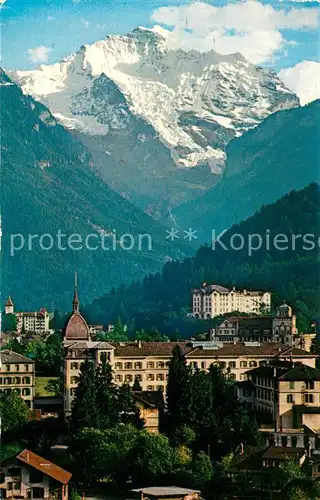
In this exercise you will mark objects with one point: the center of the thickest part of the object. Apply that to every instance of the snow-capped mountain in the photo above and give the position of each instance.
(193, 103)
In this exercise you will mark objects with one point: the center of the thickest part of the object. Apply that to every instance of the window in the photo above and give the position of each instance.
(150, 376)
(17, 368)
(8, 380)
(118, 366)
(291, 385)
(73, 391)
(74, 380)
(203, 365)
(160, 388)
(138, 377)
(289, 398)
(26, 392)
(150, 388)
(128, 378)
(150, 364)
(253, 364)
(222, 364)
(26, 380)
(232, 376)
(128, 366)
(36, 476)
(161, 364)
(14, 472)
(308, 398)
(26, 367)
(138, 365)
(284, 441)
(74, 366)
(17, 380)
(310, 384)
(232, 364)
(119, 378)
(243, 364)
(160, 376)
(294, 441)
(7, 368)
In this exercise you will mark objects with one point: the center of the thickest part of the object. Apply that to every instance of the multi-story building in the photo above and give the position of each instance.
(29, 476)
(35, 322)
(215, 300)
(279, 328)
(148, 362)
(286, 397)
(17, 374)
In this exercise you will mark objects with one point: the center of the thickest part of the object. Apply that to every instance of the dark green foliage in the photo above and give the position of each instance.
(9, 322)
(203, 410)
(161, 300)
(84, 410)
(13, 411)
(48, 355)
(178, 391)
(101, 404)
(265, 163)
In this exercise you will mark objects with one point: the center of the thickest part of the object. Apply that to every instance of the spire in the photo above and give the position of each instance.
(75, 301)
(9, 301)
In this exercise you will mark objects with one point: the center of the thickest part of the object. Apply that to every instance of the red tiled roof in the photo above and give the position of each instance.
(136, 349)
(240, 349)
(77, 328)
(44, 466)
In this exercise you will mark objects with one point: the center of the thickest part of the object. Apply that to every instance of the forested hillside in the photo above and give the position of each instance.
(265, 163)
(49, 185)
(161, 300)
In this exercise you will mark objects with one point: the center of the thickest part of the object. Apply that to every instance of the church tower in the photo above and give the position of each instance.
(77, 327)
(284, 325)
(9, 307)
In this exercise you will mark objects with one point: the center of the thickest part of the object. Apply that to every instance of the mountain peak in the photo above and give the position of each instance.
(195, 101)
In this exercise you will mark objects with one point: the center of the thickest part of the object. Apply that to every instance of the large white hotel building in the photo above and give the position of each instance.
(214, 300)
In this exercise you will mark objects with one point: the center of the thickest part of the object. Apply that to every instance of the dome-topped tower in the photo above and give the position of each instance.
(77, 327)
(284, 311)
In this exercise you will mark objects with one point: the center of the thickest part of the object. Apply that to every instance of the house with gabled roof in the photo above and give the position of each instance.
(30, 476)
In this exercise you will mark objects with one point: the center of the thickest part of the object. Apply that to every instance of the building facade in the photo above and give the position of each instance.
(35, 322)
(286, 397)
(17, 373)
(215, 300)
(279, 328)
(29, 476)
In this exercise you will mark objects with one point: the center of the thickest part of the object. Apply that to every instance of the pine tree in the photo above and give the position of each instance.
(85, 412)
(126, 407)
(178, 391)
(106, 395)
(136, 385)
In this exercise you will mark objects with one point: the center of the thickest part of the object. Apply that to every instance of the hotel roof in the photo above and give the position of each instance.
(301, 373)
(141, 349)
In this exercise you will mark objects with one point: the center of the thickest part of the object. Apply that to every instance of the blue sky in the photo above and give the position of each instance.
(60, 27)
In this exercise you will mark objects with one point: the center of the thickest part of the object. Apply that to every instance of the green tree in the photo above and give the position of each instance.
(128, 412)
(9, 322)
(136, 385)
(13, 410)
(85, 412)
(106, 394)
(178, 393)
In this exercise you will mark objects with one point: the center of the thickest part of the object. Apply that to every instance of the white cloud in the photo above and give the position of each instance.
(50, 18)
(249, 27)
(39, 54)
(304, 80)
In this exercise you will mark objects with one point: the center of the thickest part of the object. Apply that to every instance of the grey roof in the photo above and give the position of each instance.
(87, 344)
(301, 373)
(165, 491)
(8, 357)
